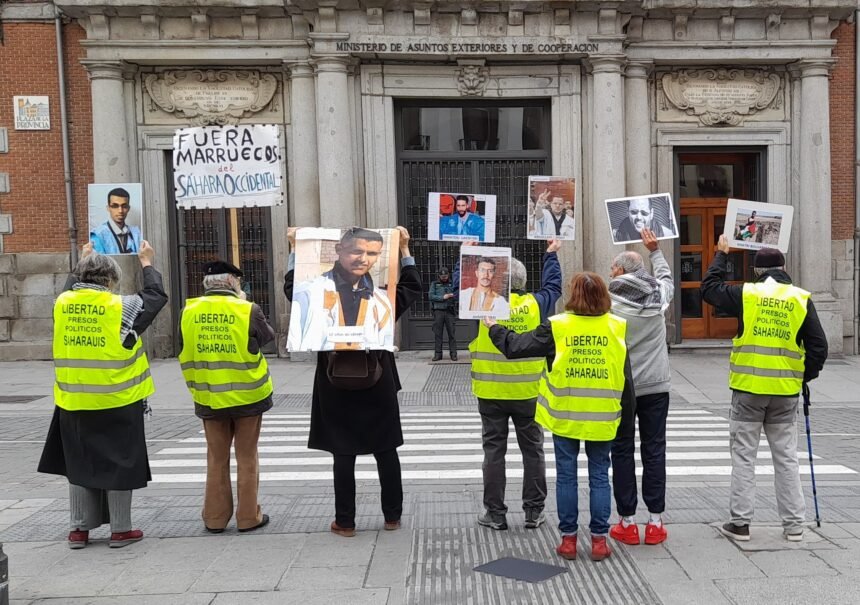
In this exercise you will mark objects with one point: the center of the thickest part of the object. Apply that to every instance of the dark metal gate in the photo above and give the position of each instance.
(484, 161)
(199, 236)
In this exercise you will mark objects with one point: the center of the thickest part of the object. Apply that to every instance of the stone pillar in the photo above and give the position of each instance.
(812, 210)
(303, 121)
(637, 126)
(111, 163)
(337, 192)
(607, 159)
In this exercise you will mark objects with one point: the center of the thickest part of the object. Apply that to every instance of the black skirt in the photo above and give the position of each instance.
(103, 449)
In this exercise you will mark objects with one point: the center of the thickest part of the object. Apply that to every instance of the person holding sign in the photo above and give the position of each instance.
(102, 379)
(780, 345)
(354, 408)
(507, 390)
(223, 367)
(585, 390)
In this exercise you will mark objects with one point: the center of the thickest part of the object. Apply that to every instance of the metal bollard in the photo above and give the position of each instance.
(4, 577)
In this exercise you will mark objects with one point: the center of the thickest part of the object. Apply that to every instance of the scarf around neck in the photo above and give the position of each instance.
(639, 289)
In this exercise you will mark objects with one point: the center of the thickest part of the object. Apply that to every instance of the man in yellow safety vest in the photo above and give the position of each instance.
(779, 345)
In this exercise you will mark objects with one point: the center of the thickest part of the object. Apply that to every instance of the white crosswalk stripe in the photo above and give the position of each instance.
(446, 446)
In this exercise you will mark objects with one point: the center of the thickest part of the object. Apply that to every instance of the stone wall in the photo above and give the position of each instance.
(844, 288)
(29, 283)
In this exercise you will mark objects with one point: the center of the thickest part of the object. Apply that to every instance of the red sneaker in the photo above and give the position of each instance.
(626, 535)
(118, 540)
(567, 548)
(78, 539)
(655, 534)
(599, 548)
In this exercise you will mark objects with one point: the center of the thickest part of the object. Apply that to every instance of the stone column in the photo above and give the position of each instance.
(812, 210)
(637, 126)
(111, 162)
(303, 121)
(337, 192)
(607, 161)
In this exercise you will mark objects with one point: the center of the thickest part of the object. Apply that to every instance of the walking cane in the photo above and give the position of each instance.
(809, 447)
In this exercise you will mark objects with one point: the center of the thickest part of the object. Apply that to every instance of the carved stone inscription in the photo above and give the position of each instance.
(211, 96)
(722, 96)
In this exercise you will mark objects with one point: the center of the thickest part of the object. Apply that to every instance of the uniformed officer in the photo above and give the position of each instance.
(584, 391)
(507, 389)
(779, 345)
(224, 368)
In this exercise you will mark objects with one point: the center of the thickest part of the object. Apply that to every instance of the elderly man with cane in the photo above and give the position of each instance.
(780, 346)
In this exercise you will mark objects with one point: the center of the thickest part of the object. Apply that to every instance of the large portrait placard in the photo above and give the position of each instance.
(485, 282)
(551, 208)
(628, 216)
(115, 212)
(345, 288)
(756, 225)
(461, 217)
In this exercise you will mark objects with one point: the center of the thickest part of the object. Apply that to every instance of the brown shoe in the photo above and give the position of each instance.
(346, 532)
(392, 525)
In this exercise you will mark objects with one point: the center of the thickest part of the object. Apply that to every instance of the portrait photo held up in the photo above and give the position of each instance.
(551, 208)
(485, 283)
(345, 289)
(461, 217)
(628, 216)
(115, 211)
(757, 225)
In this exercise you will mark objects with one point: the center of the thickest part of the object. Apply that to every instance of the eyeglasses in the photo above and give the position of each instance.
(116, 206)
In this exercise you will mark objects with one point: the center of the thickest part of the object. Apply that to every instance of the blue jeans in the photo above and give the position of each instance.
(600, 494)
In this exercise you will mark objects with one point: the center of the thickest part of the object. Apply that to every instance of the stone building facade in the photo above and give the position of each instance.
(379, 103)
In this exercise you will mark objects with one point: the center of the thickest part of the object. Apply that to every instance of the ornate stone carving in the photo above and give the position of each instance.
(211, 96)
(472, 80)
(722, 96)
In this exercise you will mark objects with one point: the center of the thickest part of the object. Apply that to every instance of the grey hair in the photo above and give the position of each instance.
(519, 276)
(629, 261)
(99, 269)
(759, 271)
(220, 281)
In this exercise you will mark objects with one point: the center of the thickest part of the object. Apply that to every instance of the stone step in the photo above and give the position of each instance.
(26, 351)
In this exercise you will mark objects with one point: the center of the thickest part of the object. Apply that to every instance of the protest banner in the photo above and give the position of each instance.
(227, 166)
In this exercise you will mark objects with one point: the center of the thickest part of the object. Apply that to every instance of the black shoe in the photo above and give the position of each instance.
(487, 520)
(534, 518)
(262, 523)
(741, 533)
(437, 357)
(453, 357)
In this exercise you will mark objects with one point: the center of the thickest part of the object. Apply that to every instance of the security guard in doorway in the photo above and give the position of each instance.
(224, 368)
(779, 346)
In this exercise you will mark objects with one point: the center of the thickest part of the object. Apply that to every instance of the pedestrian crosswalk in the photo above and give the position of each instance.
(445, 446)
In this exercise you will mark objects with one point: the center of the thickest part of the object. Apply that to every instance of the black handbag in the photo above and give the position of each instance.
(354, 370)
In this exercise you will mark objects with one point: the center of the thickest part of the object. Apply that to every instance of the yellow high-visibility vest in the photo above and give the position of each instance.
(766, 359)
(218, 369)
(580, 397)
(493, 375)
(92, 370)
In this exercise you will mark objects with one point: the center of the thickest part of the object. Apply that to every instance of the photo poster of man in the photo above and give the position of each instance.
(485, 282)
(629, 215)
(461, 217)
(551, 208)
(115, 212)
(757, 225)
(345, 287)
(227, 166)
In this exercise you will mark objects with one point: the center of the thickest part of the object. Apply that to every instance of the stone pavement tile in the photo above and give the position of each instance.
(791, 564)
(251, 563)
(11, 516)
(671, 582)
(134, 581)
(839, 590)
(162, 599)
(390, 564)
(833, 530)
(846, 559)
(178, 554)
(85, 575)
(851, 528)
(4, 504)
(376, 596)
(33, 503)
(33, 558)
(767, 537)
(330, 550)
(312, 578)
(705, 554)
(644, 552)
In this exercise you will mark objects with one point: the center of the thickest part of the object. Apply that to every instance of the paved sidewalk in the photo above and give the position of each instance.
(430, 560)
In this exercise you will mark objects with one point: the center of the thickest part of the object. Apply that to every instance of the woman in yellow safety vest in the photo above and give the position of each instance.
(585, 390)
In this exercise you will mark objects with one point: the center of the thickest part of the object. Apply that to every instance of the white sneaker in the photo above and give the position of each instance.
(797, 537)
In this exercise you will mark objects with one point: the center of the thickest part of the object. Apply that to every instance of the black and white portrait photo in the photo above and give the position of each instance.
(628, 216)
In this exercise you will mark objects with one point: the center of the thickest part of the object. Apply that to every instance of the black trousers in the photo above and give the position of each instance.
(444, 320)
(388, 466)
(652, 411)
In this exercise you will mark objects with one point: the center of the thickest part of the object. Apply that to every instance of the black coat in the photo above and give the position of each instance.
(105, 449)
(367, 421)
(728, 298)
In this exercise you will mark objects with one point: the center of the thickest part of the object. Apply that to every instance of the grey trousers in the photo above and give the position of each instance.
(90, 508)
(778, 417)
(494, 421)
